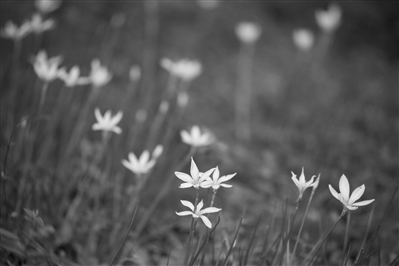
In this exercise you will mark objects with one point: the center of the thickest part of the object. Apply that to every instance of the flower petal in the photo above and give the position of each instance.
(344, 187)
(363, 203)
(184, 213)
(216, 174)
(98, 115)
(226, 178)
(199, 206)
(194, 170)
(187, 204)
(210, 210)
(185, 185)
(356, 194)
(334, 193)
(206, 221)
(184, 177)
(206, 175)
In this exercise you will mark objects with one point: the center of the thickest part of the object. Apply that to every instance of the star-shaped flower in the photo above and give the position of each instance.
(301, 184)
(46, 68)
(349, 201)
(215, 182)
(196, 179)
(38, 25)
(143, 164)
(329, 20)
(195, 138)
(198, 213)
(303, 39)
(185, 69)
(72, 78)
(107, 123)
(12, 31)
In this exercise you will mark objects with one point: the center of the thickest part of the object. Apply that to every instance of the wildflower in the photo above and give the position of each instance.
(46, 68)
(349, 201)
(143, 164)
(330, 19)
(248, 32)
(107, 123)
(185, 69)
(198, 213)
(72, 78)
(195, 138)
(47, 6)
(301, 184)
(38, 25)
(12, 31)
(196, 179)
(217, 181)
(99, 75)
(303, 39)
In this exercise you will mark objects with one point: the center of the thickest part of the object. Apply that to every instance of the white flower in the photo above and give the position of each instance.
(196, 179)
(198, 212)
(38, 25)
(301, 184)
(46, 68)
(215, 182)
(330, 19)
(107, 123)
(195, 138)
(12, 31)
(349, 201)
(185, 69)
(99, 75)
(303, 39)
(143, 164)
(248, 32)
(72, 78)
(47, 6)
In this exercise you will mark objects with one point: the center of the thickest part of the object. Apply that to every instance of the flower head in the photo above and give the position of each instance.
(143, 164)
(46, 68)
(215, 182)
(47, 6)
(107, 123)
(184, 69)
(195, 179)
(12, 31)
(301, 184)
(38, 25)
(303, 39)
(248, 32)
(195, 138)
(198, 212)
(329, 20)
(99, 75)
(349, 201)
(72, 78)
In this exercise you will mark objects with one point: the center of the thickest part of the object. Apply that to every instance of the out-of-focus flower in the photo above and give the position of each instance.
(33, 216)
(196, 179)
(107, 123)
(349, 201)
(197, 212)
(215, 182)
(47, 6)
(134, 73)
(195, 138)
(143, 164)
(12, 31)
(303, 39)
(248, 32)
(164, 107)
(182, 99)
(72, 78)
(46, 68)
(208, 4)
(185, 69)
(301, 184)
(329, 20)
(38, 25)
(99, 75)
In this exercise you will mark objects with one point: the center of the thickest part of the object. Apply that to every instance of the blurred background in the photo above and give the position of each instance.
(331, 108)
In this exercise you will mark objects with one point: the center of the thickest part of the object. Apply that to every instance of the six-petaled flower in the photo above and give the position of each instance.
(198, 212)
(107, 123)
(12, 31)
(301, 184)
(216, 181)
(184, 69)
(349, 201)
(196, 179)
(72, 78)
(143, 164)
(196, 138)
(46, 68)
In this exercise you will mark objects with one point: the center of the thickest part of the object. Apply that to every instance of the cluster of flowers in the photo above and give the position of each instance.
(48, 69)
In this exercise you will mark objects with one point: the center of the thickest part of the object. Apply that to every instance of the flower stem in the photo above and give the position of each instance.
(190, 238)
(42, 97)
(344, 211)
(346, 235)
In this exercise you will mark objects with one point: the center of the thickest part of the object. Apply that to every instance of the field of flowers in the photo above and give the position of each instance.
(199, 133)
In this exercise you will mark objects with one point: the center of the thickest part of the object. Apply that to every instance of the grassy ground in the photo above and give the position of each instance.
(333, 110)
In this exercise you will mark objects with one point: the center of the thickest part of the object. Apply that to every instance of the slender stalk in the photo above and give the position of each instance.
(346, 234)
(344, 211)
(289, 232)
(213, 197)
(42, 97)
(302, 223)
(190, 237)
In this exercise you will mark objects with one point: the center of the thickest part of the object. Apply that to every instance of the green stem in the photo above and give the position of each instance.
(43, 97)
(344, 211)
(190, 238)
(346, 235)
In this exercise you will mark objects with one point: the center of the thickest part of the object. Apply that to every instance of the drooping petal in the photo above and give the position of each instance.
(344, 187)
(333, 192)
(206, 221)
(184, 213)
(184, 177)
(187, 204)
(356, 194)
